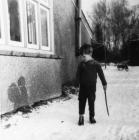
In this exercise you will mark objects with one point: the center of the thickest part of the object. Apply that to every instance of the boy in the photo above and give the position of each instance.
(87, 77)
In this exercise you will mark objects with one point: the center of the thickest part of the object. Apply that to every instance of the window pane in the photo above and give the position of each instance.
(44, 27)
(14, 15)
(31, 23)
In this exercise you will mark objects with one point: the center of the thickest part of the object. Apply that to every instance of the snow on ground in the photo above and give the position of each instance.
(58, 120)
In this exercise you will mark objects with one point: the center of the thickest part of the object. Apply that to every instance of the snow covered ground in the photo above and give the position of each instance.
(58, 120)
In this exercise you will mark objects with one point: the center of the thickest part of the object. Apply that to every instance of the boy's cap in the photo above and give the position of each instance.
(86, 49)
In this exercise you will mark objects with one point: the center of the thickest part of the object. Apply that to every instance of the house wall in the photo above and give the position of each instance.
(25, 80)
(28, 74)
(64, 34)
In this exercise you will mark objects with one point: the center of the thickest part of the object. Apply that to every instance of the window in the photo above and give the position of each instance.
(31, 10)
(14, 19)
(26, 25)
(44, 14)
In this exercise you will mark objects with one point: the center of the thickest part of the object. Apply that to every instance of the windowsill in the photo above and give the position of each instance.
(29, 54)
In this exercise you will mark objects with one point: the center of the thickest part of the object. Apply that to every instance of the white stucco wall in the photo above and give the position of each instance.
(25, 80)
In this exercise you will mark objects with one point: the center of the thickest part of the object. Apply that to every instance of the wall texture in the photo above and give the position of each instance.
(25, 80)
(64, 34)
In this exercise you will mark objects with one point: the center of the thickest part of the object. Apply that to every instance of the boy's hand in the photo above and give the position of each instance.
(105, 87)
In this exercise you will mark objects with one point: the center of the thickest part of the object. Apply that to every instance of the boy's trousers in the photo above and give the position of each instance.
(87, 92)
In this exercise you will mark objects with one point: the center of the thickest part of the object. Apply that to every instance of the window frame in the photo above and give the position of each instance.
(11, 42)
(7, 44)
(47, 9)
(32, 46)
(2, 40)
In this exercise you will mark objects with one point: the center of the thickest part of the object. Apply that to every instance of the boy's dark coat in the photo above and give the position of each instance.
(87, 78)
(87, 73)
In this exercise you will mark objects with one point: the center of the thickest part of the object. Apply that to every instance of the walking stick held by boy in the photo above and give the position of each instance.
(105, 87)
(87, 72)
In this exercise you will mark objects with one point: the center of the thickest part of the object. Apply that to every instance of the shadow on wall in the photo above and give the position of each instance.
(17, 93)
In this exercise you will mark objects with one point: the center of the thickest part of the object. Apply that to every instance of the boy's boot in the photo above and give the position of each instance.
(81, 120)
(92, 120)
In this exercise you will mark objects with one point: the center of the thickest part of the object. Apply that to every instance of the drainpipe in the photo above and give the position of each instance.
(78, 26)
